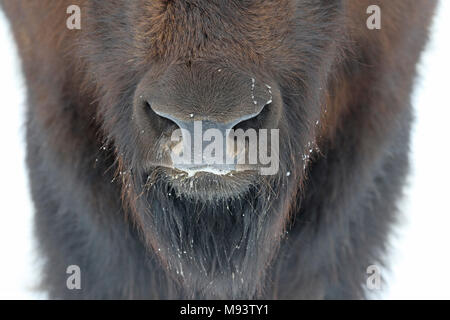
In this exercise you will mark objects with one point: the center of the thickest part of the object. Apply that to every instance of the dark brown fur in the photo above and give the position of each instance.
(310, 234)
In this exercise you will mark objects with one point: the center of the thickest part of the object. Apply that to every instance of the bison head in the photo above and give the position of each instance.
(164, 65)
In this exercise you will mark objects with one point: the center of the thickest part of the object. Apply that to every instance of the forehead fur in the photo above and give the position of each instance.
(192, 28)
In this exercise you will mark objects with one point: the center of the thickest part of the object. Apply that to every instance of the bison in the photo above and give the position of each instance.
(104, 98)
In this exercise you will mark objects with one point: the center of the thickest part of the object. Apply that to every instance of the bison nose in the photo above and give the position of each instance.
(188, 122)
(201, 104)
(196, 133)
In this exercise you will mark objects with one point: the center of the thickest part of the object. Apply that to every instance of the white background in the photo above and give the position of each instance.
(419, 259)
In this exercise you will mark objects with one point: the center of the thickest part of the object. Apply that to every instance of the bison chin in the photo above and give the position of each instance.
(214, 247)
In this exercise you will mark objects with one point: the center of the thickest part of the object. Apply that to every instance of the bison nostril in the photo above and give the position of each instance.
(256, 121)
(164, 116)
(161, 124)
(164, 121)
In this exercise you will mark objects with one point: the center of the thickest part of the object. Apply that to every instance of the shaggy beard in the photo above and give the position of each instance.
(214, 249)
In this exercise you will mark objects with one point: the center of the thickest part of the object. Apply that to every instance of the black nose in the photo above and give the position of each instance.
(196, 134)
(207, 122)
(199, 99)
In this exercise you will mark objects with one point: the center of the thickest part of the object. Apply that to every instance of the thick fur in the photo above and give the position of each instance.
(309, 232)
